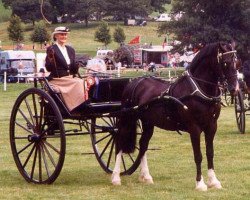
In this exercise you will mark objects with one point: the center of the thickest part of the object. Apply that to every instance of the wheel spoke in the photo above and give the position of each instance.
(105, 148)
(21, 126)
(24, 148)
(110, 153)
(34, 163)
(26, 119)
(29, 110)
(49, 155)
(35, 109)
(30, 154)
(131, 158)
(52, 147)
(41, 113)
(103, 138)
(45, 160)
(110, 125)
(40, 162)
(123, 163)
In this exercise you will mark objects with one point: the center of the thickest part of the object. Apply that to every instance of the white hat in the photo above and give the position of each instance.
(60, 29)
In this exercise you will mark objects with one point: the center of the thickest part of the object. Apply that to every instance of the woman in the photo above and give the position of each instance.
(60, 62)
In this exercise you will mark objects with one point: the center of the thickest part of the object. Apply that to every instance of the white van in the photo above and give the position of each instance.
(16, 62)
(163, 18)
(103, 53)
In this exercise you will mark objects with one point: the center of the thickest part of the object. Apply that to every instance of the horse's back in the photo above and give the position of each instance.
(141, 90)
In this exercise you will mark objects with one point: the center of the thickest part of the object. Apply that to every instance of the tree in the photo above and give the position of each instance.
(210, 21)
(102, 34)
(40, 34)
(119, 35)
(27, 10)
(158, 5)
(131, 8)
(128, 9)
(15, 29)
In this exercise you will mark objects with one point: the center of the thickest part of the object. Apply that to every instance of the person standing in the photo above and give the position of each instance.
(60, 62)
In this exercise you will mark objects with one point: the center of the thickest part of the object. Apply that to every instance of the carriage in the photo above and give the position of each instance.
(40, 122)
(242, 106)
(119, 113)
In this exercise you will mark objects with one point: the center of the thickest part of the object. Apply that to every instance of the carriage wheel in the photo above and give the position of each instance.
(103, 133)
(240, 112)
(37, 137)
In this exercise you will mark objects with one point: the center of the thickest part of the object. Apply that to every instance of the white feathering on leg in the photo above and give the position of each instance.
(213, 182)
(115, 178)
(200, 185)
(145, 176)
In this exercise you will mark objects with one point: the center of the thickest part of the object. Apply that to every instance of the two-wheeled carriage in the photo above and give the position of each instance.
(242, 106)
(40, 122)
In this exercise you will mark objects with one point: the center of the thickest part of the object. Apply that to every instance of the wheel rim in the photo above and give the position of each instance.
(240, 112)
(38, 149)
(103, 133)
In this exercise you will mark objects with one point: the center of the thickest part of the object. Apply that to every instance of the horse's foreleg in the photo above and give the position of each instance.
(195, 139)
(115, 178)
(209, 138)
(145, 176)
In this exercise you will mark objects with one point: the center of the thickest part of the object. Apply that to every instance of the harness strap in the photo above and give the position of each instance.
(198, 92)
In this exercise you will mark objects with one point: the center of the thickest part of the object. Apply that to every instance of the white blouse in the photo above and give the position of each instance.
(64, 53)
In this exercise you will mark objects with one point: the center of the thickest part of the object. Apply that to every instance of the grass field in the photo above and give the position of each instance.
(172, 166)
(82, 38)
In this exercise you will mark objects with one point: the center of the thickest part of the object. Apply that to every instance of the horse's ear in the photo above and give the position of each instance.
(223, 46)
(233, 44)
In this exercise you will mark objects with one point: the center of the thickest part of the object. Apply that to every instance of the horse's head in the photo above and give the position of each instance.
(227, 61)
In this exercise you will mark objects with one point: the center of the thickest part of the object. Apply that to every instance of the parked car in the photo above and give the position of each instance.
(163, 18)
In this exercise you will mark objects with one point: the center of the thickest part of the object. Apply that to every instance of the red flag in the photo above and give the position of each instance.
(164, 43)
(135, 40)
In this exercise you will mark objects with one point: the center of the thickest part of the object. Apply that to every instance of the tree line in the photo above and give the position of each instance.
(84, 10)
(202, 21)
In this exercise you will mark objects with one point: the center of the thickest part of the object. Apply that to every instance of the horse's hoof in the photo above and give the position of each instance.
(115, 179)
(201, 186)
(214, 184)
(147, 180)
(116, 182)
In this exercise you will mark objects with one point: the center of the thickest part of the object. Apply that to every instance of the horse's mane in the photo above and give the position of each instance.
(208, 50)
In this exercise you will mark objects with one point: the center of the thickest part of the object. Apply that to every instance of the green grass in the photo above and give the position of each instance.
(172, 167)
(82, 38)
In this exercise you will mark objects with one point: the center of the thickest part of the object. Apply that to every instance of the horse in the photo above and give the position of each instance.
(190, 104)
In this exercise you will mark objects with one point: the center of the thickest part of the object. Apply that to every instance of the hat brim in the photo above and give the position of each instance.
(56, 32)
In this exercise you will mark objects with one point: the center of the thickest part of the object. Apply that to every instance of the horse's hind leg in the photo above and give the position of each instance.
(209, 137)
(195, 139)
(145, 176)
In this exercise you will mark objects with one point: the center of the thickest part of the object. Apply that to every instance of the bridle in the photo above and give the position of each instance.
(197, 91)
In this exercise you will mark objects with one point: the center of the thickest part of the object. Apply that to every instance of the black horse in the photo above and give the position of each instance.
(190, 104)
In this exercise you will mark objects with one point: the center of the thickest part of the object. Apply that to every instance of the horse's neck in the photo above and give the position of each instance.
(206, 79)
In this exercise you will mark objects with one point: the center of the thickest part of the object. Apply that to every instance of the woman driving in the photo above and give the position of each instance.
(60, 62)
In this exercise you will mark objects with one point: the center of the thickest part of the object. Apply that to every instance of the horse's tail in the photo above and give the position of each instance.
(126, 137)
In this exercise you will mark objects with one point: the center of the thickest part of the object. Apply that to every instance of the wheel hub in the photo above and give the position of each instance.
(34, 138)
